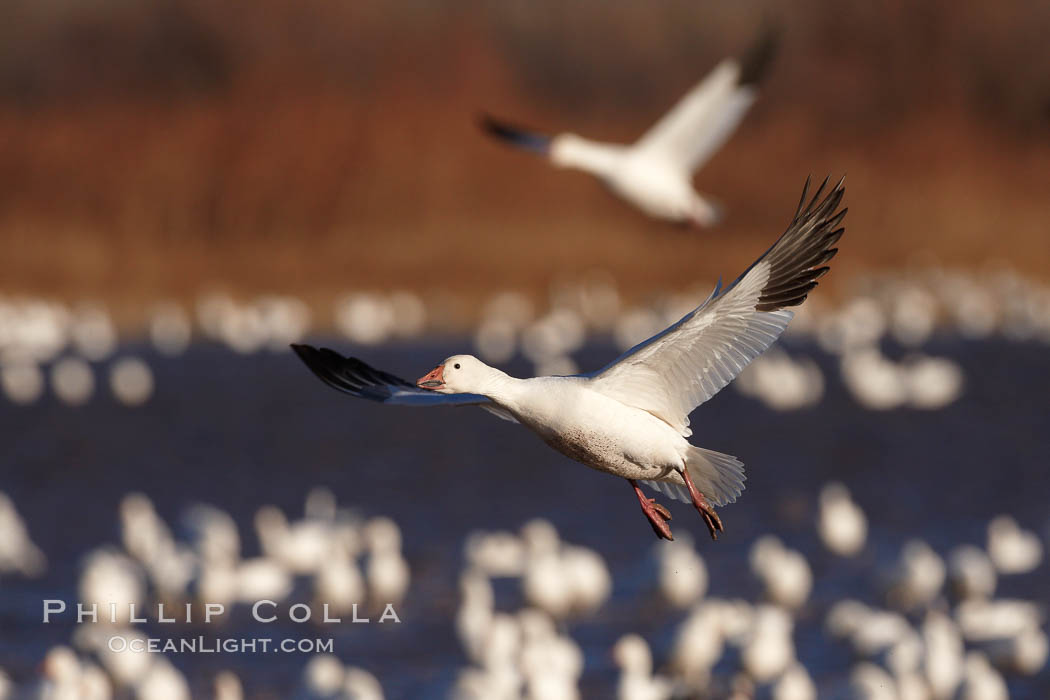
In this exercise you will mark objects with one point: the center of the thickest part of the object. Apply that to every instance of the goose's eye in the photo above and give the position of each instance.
(456, 366)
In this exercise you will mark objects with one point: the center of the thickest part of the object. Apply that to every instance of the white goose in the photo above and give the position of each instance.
(631, 419)
(655, 173)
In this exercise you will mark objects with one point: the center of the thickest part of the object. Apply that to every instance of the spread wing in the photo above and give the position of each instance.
(683, 366)
(352, 376)
(702, 121)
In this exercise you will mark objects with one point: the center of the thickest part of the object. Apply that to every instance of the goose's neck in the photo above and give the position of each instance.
(502, 388)
(571, 151)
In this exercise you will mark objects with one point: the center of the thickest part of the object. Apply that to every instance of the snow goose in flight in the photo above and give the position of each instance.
(655, 173)
(631, 419)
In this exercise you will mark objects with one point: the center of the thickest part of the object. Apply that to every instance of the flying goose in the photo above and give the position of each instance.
(631, 418)
(655, 173)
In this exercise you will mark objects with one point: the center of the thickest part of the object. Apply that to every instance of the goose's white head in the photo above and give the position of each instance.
(459, 374)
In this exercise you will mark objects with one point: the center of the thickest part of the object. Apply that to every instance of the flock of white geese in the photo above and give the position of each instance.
(938, 633)
(329, 557)
(75, 348)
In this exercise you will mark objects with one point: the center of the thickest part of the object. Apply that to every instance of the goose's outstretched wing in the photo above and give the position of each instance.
(679, 368)
(352, 376)
(702, 121)
(515, 135)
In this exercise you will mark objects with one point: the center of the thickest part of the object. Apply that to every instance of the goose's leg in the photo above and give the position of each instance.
(714, 523)
(656, 513)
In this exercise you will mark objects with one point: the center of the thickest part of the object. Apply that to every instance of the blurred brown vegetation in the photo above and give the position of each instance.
(153, 148)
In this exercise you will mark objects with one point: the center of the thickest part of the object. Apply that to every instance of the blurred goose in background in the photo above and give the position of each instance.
(943, 663)
(110, 578)
(841, 523)
(588, 577)
(148, 539)
(681, 572)
(971, 572)
(227, 686)
(984, 620)
(17, 551)
(495, 553)
(917, 578)
(631, 419)
(698, 645)
(795, 684)
(67, 677)
(637, 681)
(654, 174)
(768, 648)
(301, 547)
(981, 681)
(162, 682)
(387, 571)
(784, 572)
(325, 678)
(1013, 550)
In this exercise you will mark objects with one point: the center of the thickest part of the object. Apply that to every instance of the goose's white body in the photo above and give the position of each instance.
(649, 179)
(583, 424)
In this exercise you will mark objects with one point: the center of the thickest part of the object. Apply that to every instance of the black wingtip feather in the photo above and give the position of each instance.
(799, 258)
(348, 374)
(513, 134)
(754, 65)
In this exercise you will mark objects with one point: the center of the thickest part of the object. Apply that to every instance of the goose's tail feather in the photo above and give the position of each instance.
(720, 477)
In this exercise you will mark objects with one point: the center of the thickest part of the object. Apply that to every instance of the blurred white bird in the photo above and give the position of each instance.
(943, 665)
(73, 381)
(984, 620)
(681, 573)
(146, 537)
(227, 686)
(212, 533)
(917, 578)
(495, 553)
(768, 649)
(17, 551)
(784, 572)
(795, 684)
(112, 582)
(870, 682)
(131, 381)
(386, 570)
(325, 678)
(841, 523)
(637, 682)
(551, 663)
(933, 382)
(873, 380)
(588, 577)
(162, 681)
(21, 380)
(66, 677)
(971, 572)
(782, 383)
(1013, 550)
(301, 547)
(654, 174)
(170, 329)
(1024, 654)
(698, 645)
(981, 681)
(339, 583)
(475, 612)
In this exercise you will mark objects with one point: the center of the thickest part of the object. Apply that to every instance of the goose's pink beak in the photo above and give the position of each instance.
(435, 379)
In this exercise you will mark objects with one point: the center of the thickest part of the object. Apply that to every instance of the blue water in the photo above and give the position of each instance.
(240, 432)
